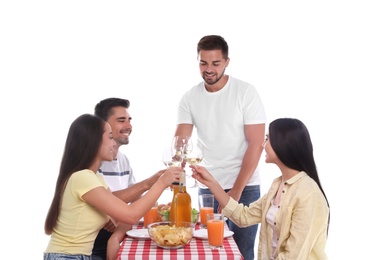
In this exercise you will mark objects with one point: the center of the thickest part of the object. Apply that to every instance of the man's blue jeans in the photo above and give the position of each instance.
(244, 237)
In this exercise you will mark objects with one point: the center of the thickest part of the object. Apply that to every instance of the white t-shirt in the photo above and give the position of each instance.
(219, 118)
(117, 173)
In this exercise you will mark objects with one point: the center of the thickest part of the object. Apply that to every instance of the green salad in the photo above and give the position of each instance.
(165, 215)
(194, 215)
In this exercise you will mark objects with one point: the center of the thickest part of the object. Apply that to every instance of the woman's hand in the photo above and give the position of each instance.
(201, 174)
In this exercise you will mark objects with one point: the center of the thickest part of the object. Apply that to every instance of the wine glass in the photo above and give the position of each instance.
(173, 154)
(178, 146)
(194, 154)
(167, 158)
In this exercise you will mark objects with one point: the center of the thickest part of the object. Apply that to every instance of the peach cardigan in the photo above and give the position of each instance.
(301, 221)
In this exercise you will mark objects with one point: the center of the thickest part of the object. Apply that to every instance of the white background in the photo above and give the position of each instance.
(313, 61)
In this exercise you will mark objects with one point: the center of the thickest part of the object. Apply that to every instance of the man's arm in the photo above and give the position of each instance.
(115, 240)
(255, 135)
(134, 192)
(184, 130)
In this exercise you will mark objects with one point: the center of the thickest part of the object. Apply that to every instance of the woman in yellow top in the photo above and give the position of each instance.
(294, 214)
(82, 203)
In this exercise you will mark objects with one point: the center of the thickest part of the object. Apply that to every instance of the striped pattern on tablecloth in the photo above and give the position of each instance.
(134, 249)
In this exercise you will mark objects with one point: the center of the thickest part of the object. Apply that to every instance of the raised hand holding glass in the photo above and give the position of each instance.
(194, 155)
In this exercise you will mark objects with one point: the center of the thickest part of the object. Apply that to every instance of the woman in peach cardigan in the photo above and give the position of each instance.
(294, 214)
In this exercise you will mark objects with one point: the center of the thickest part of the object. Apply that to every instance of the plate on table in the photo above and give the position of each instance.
(139, 233)
(203, 233)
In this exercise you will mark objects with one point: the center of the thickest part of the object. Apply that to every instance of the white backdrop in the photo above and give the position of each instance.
(313, 61)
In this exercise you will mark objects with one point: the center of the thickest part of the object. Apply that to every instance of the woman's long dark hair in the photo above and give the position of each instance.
(291, 142)
(82, 145)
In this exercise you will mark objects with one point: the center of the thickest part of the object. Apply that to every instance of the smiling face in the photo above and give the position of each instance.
(270, 155)
(212, 65)
(106, 151)
(120, 121)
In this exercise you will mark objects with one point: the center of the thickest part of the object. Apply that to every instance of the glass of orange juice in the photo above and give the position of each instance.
(206, 205)
(151, 216)
(215, 226)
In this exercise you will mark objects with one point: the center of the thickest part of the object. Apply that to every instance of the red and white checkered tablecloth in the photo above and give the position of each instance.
(133, 249)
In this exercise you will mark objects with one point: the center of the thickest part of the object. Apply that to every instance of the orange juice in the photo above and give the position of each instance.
(151, 216)
(215, 233)
(203, 212)
(206, 205)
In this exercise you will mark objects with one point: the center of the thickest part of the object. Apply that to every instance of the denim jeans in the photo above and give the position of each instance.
(96, 257)
(58, 256)
(244, 237)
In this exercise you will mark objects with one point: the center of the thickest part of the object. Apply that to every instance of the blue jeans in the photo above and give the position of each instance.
(244, 237)
(58, 256)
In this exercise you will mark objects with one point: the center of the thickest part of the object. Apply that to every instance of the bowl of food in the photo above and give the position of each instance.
(164, 211)
(169, 236)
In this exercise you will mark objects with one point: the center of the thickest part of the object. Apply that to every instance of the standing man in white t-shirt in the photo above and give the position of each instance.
(230, 122)
(118, 175)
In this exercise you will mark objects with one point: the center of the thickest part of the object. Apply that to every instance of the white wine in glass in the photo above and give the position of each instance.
(178, 146)
(194, 155)
(167, 158)
(194, 161)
